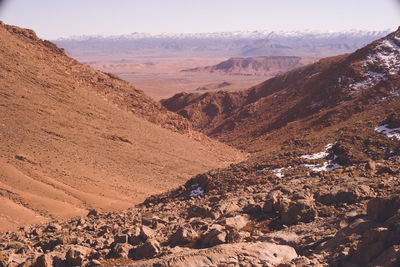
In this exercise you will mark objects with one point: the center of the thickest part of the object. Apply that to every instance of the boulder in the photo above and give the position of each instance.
(146, 232)
(95, 263)
(53, 227)
(271, 201)
(92, 213)
(44, 260)
(349, 195)
(148, 250)
(237, 222)
(215, 236)
(182, 236)
(121, 239)
(381, 209)
(76, 255)
(252, 209)
(198, 211)
(303, 210)
(122, 250)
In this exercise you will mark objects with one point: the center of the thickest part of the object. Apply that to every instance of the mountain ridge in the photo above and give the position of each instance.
(327, 84)
(265, 66)
(224, 45)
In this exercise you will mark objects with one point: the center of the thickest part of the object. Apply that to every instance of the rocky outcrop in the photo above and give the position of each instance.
(260, 253)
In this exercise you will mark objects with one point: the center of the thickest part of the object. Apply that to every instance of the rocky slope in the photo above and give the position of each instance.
(72, 138)
(323, 202)
(265, 66)
(321, 94)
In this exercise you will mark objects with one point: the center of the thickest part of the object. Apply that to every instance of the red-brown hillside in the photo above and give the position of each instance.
(72, 138)
(322, 94)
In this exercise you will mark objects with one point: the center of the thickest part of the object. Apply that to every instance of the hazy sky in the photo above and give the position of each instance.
(62, 18)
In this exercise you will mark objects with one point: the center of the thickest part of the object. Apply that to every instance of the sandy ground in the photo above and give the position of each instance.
(161, 78)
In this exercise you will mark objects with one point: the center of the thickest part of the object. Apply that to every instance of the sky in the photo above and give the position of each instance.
(52, 19)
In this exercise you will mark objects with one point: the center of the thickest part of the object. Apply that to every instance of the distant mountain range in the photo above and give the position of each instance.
(223, 44)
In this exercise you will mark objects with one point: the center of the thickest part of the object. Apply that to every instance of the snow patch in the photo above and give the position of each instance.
(386, 55)
(389, 132)
(278, 172)
(326, 166)
(319, 155)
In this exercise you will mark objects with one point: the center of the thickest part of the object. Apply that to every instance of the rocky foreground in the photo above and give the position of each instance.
(310, 204)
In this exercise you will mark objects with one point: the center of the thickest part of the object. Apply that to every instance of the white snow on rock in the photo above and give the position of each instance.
(319, 155)
(278, 172)
(198, 191)
(389, 132)
(326, 166)
(386, 55)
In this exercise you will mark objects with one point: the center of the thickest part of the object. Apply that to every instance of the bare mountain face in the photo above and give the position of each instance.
(265, 66)
(220, 44)
(73, 138)
(325, 93)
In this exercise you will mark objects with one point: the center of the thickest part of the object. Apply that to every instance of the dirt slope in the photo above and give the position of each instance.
(72, 138)
(314, 96)
(266, 66)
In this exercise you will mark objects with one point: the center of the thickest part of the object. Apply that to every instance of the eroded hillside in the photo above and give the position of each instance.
(73, 138)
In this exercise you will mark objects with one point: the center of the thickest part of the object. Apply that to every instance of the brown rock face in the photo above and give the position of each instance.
(44, 260)
(381, 209)
(300, 211)
(76, 255)
(213, 237)
(182, 236)
(148, 250)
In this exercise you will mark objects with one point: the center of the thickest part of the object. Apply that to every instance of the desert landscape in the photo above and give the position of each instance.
(159, 65)
(229, 149)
